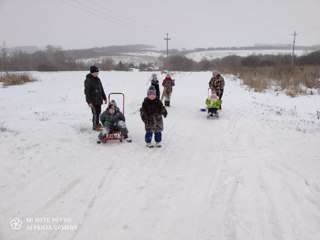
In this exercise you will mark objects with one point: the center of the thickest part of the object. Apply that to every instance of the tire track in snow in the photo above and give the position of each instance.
(64, 191)
(93, 199)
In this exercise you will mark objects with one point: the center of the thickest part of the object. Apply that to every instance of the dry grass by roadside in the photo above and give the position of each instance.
(10, 79)
(293, 80)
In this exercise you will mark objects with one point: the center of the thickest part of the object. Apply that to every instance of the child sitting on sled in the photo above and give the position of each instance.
(213, 104)
(113, 120)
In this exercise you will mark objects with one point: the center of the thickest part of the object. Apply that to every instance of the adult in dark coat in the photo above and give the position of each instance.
(95, 95)
(151, 114)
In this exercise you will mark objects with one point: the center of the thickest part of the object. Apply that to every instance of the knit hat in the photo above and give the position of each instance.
(111, 106)
(215, 73)
(152, 91)
(113, 102)
(154, 76)
(93, 69)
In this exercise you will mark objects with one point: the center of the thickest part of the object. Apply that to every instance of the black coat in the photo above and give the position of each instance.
(93, 90)
(151, 114)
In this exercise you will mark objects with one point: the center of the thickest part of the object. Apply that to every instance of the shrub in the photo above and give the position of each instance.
(294, 80)
(10, 79)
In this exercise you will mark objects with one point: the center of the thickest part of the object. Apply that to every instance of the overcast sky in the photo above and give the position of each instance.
(74, 24)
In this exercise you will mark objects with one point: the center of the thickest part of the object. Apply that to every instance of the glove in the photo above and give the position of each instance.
(165, 114)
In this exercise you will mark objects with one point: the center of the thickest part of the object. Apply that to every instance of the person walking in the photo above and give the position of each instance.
(167, 84)
(151, 114)
(95, 96)
(155, 83)
(216, 84)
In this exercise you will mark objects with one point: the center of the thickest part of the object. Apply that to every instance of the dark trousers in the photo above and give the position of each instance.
(212, 110)
(157, 137)
(220, 93)
(96, 111)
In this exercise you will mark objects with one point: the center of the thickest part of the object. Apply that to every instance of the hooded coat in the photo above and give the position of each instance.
(151, 114)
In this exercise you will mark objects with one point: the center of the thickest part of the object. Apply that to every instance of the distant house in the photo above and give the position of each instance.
(133, 70)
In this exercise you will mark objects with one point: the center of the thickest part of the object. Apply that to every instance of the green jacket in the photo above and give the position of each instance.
(213, 103)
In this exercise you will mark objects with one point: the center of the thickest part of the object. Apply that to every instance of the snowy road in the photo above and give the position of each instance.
(252, 174)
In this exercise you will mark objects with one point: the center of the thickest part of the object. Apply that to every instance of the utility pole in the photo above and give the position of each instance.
(167, 62)
(294, 42)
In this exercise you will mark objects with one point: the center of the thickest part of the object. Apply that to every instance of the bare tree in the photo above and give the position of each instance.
(3, 56)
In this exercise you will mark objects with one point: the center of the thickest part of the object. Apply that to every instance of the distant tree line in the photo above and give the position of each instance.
(56, 59)
(234, 63)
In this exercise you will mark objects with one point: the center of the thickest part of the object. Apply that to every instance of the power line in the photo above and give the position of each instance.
(149, 28)
(95, 12)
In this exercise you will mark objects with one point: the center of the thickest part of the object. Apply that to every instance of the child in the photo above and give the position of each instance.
(213, 104)
(167, 84)
(113, 120)
(155, 83)
(151, 114)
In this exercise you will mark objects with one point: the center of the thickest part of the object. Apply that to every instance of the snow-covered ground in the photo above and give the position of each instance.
(210, 55)
(135, 58)
(252, 174)
(151, 57)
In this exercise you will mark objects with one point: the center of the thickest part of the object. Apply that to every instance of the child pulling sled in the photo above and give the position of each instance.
(167, 84)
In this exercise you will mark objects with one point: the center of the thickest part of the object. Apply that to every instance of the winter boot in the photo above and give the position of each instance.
(158, 144)
(149, 145)
(97, 128)
(167, 103)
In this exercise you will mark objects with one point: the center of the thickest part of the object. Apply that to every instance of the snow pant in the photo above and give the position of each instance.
(96, 111)
(167, 96)
(220, 93)
(157, 137)
(212, 110)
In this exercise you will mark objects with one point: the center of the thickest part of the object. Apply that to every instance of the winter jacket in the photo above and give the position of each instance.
(155, 83)
(216, 84)
(151, 114)
(168, 83)
(213, 103)
(93, 90)
(112, 119)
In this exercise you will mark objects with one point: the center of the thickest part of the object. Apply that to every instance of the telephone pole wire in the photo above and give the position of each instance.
(294, 42)
(167, 62)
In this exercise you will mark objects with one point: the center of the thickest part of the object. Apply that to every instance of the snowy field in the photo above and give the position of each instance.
(253, 174)
(210, 55)
(136, 58)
